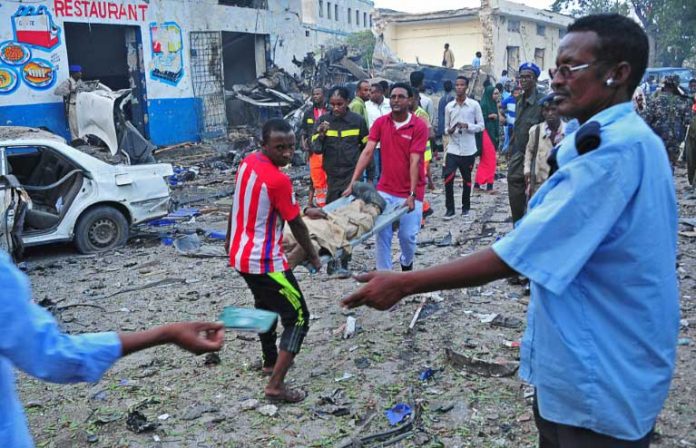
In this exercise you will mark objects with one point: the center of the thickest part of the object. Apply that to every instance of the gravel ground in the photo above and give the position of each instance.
(196, 402)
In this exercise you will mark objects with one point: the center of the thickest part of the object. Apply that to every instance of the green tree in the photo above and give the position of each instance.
(363, 43)
(669, 24)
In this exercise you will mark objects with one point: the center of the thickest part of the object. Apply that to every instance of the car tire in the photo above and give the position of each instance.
(99, 229)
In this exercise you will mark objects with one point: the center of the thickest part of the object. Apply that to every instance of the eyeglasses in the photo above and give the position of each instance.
(566, 71)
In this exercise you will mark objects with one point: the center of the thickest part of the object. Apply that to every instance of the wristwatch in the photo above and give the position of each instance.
(412, 194)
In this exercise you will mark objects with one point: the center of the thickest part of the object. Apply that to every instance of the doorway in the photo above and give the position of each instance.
(112, 54)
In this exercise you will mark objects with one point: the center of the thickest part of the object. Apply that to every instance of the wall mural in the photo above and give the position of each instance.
(167, 64)
(8, 80)
(35, 27)
(32, 28)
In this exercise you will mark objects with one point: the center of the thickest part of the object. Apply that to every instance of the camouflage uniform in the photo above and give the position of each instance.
(669, 115)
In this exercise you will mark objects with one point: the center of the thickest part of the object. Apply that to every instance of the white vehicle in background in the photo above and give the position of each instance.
(51, 192)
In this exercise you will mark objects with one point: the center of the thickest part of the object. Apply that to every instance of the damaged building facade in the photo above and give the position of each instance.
(506, 33)
(179, 57)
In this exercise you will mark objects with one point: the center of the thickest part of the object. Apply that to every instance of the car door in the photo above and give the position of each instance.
(11, 204)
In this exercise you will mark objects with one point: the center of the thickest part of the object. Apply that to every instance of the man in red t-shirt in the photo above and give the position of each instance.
(263, 201)
(402, 137)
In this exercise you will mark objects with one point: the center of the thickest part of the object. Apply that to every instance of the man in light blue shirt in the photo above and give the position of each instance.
(599, 247)
(32, 342)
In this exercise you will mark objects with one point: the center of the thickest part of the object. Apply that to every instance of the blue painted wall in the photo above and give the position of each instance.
(48, 115)
(174, 120)
(171, 121)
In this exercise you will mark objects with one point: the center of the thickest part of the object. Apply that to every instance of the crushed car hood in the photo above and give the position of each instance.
(95, 115)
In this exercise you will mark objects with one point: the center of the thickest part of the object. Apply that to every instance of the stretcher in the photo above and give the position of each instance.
(339, 262)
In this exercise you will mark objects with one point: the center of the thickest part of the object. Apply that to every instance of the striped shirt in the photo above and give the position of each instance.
(263, 201)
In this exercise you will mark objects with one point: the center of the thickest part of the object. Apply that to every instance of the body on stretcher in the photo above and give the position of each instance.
(391, 214)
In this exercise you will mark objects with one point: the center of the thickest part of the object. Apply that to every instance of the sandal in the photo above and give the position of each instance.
(287, 396)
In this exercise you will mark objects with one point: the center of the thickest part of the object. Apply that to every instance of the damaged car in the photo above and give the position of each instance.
(52, 192)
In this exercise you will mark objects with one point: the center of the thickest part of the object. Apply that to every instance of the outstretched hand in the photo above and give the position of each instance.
(197, 337)
(382, 291)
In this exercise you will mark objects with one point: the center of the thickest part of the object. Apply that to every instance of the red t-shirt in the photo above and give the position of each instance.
(263, 201)
(396, 147)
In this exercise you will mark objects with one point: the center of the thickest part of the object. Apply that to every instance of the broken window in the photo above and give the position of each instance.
(541, 30)
(328, 10)
(364, 19)
(350, 15)
(357, 17)
(321, 8)
(514, 26)
(539, 57)
(513, 59)
(370, 20)
(258, 4)
(336, 12)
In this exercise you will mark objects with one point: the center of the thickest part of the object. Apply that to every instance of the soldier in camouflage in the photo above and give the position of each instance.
(668, 113)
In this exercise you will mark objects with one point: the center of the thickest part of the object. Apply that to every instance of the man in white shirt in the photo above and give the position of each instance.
(463, 119)
(376, 107)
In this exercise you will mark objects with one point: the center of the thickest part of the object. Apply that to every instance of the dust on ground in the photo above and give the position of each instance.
(195, 401)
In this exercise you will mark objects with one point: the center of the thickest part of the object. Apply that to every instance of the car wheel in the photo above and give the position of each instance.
(99, 229)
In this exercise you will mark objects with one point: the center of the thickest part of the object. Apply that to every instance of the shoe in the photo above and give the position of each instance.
(465, 212)
(407, 268)
(449, 215)
(428, 212)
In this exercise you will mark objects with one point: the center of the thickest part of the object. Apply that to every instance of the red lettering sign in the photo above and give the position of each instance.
(100, 9)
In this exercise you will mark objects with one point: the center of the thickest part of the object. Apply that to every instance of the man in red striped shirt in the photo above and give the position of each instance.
(263, 201)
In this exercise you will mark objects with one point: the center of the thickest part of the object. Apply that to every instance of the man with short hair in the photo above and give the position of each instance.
(448, 57)
(33, 343)
(504, 78)
(543, 138)
(403, 137)
(599, 245)
(263, 202)
(527, 114)
(447, 98)
(318, 186)
(362, 94)
(376, 107)
(417, 79)
(463, 120)
(476, 62)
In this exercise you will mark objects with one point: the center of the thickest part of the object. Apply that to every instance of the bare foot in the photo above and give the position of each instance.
(284, 395)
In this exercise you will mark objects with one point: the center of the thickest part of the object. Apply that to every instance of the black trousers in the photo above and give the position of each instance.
(280, 293)
(556, 435)
(336, 185)
(516, 186)
(465, 165)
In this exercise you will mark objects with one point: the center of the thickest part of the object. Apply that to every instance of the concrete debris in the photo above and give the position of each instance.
(269, 410)
(481, 367)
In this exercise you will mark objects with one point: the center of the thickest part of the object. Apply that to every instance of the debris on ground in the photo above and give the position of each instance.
(481, 367)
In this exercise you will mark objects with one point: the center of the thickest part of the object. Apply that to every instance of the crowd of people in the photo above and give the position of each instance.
(585, 174)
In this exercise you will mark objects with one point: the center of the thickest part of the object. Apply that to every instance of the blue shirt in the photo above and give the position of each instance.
(31, 341)
(599, 246)
(509, 105)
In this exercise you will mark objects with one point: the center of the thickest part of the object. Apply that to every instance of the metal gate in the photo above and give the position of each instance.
(208, 82)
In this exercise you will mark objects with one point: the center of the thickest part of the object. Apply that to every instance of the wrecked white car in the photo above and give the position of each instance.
(52, 192)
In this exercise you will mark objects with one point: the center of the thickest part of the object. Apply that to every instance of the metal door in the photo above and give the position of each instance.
(208, 82)
(136, 74)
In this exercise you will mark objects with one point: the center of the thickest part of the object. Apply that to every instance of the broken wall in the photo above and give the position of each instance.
(424, 41)
(35, 58)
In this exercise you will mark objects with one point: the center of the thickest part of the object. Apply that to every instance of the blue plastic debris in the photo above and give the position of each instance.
(426, 374)
(163, 222)
(183, 213)
(167, 240)
(396, 414)
(216, 235)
